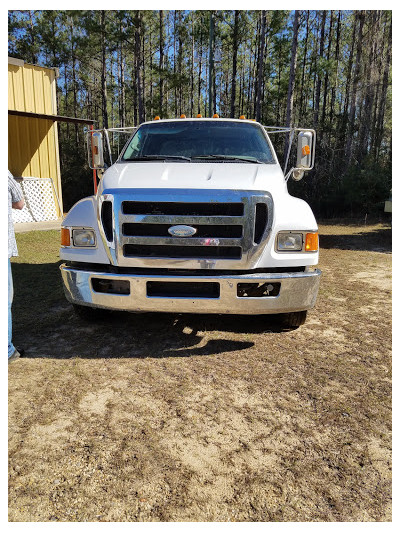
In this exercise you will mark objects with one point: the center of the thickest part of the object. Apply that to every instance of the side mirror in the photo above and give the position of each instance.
(304, 151)
(97, 150)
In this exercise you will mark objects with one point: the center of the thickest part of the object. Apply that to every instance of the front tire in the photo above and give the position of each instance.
(295, 319)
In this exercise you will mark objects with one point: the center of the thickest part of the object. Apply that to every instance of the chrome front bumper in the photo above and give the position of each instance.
(298, 292)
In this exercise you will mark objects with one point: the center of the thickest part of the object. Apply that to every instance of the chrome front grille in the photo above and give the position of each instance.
(232, 227)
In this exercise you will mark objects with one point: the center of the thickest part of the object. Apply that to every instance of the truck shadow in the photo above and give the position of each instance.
(375, 240)
(46, 326)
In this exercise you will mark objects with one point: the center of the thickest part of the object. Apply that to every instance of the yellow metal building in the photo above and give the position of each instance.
(33, 138)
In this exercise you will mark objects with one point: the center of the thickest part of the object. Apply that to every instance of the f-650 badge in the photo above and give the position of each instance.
(182, 231)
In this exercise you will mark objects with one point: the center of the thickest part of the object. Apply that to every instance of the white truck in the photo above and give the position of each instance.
(194, 217)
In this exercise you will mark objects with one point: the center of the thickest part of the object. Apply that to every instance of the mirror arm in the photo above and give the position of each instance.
(287, 176)
(289, 150)
(108, 145)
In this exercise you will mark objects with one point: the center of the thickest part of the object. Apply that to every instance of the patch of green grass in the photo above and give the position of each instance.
(37, 247)
(36, 278)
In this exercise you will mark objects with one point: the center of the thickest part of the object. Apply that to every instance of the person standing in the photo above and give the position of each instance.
(15, 201)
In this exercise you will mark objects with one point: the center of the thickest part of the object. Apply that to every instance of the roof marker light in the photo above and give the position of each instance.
(183, 116)
(242, 117)
(199, 115)
(215, 115)
(157, 118)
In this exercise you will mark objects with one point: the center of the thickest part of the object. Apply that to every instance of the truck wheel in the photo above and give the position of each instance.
(295, 319)
(89, 313)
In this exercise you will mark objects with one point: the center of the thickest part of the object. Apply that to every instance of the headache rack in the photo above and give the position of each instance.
(289, 131)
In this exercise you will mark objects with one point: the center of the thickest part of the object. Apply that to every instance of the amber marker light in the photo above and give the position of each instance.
(305, 150)
(65, 237)
(199, 116)
(311, 242)
(157, 118)
(242, 117)
(183, 116)
(215, 115)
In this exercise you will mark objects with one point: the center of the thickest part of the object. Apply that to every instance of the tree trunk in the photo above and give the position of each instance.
(143, 64)
(175, 90)
(74, 84)
(180, 65)
(199, 72)
(260, 65)
(31, 31)
(333, 93)
(351, 121)
(104, 70)
(326, 79)
(366, 115)
(292, 77)
(303, 99)
(211, 73)
(241, 91)
(377, 70)
(161, 64)
(278, 103)
(122, 102)
(192, 71)
(138, 65)
(319, 80)
(151, 72)
(312, 71)
(234, 63)
(385, 83)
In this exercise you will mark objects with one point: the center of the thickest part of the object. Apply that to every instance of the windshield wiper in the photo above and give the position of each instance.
(157, 157)
(228, 158)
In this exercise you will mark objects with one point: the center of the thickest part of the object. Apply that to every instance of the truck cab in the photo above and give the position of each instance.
(194, 217)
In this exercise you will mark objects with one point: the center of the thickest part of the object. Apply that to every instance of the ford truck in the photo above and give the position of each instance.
(194, 217)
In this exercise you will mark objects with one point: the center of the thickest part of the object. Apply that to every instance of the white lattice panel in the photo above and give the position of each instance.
(40, 201)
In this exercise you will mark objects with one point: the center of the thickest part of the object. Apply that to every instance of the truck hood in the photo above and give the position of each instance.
(160, 175)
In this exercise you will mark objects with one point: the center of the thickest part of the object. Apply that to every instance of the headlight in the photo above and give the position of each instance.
(289, 242)
(83, 237)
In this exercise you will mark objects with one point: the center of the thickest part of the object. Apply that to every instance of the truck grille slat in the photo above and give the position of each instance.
(203, 252)
(182, 208)
(182, 242)
(161, 230)
(172, 220)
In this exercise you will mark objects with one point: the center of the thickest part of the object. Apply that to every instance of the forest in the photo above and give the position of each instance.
(327, 70)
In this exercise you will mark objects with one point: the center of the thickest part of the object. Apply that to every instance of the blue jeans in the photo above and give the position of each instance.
(11, 347)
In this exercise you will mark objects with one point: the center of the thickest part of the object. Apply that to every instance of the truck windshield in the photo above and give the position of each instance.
(199, 141)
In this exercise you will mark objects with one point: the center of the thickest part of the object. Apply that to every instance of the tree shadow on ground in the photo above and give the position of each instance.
(375, 240)
(45, 325)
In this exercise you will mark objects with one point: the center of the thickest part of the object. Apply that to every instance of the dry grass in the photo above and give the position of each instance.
(195, 418)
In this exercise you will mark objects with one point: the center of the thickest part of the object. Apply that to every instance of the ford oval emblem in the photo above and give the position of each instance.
(182, 231)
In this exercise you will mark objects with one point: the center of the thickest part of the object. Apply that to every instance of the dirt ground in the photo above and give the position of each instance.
(205, 418)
